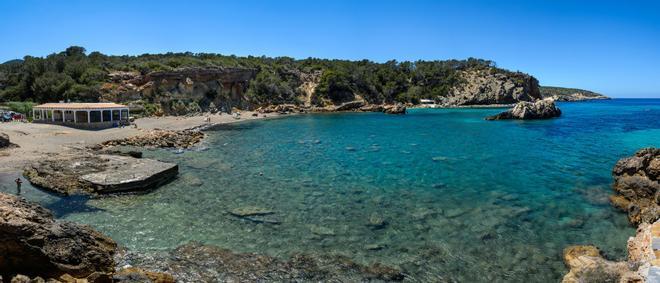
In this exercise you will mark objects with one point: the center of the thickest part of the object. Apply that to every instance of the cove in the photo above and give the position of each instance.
(440, 193)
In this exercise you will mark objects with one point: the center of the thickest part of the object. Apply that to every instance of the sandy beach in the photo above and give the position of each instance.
(38, 140)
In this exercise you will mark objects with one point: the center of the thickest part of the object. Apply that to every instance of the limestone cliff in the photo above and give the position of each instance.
(487, 86)
(193, 90)
(182, 91)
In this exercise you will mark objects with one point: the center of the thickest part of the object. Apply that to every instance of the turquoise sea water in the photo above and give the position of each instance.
(462, 199)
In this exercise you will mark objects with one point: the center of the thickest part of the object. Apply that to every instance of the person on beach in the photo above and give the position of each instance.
(18, 186)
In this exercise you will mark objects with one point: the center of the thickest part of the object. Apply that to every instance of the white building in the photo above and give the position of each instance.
(82, 115)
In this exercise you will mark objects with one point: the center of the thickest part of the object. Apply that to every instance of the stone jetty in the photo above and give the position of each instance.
(92, 174)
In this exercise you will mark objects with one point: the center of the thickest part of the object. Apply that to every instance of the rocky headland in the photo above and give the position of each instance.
(636, 192)
(569, 94)
(541, 109)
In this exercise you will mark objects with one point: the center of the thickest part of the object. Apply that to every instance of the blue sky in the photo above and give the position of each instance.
(608, 46)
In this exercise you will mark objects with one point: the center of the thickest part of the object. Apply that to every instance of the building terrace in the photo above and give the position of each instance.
(82, 115)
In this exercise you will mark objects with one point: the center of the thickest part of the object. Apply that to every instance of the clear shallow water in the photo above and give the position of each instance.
(464, 199)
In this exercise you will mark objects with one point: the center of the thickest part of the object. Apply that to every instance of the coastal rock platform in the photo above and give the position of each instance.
(99, 174)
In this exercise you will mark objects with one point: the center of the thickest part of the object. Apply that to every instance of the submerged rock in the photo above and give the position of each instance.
(637, 186)
(33, 243)
(99, 174)
(541, 109)
(376, 221)
(195, 262)
(250, 211)
(134, 275)
(321, 230)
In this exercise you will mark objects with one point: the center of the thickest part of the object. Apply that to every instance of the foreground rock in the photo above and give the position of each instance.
(34, 244)
(99, 174)
(161, 139)
(637, 186)
(200, 263)
(542, 109)
(587, 265)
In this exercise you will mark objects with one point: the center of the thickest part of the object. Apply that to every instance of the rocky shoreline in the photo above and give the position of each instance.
(37, 248)
(637, 192)
(351, 106)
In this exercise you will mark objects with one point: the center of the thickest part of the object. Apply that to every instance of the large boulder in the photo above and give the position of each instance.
(542, 109)
(4, 140)
(637, 187)
(35, 244)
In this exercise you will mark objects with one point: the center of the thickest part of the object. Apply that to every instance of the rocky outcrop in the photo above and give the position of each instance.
(489, 86)
(202, 263)
(587, 265)
(637, 186)
(161, 139)
(542, 109)
(280, 109)
(33, 243)
(99, 174)
(398, 108)
(182, 91)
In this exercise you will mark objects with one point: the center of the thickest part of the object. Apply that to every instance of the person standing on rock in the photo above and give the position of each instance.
(18, 186)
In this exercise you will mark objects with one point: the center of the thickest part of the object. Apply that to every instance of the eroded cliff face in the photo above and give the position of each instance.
(485, 87)
(182, 91)
(195, 90)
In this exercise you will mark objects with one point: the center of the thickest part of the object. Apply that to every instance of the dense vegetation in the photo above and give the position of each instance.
(549, 91)
(77, 76)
